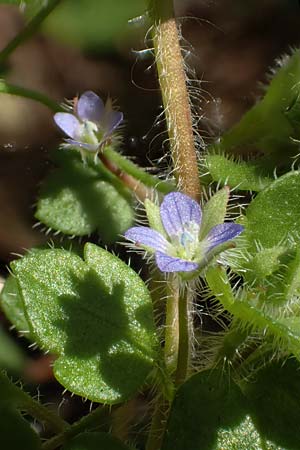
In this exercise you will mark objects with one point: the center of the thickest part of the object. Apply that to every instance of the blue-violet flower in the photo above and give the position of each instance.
(91, 124)
(180, 248)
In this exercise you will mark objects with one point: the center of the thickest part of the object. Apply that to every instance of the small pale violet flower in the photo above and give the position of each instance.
(180, 248)
(91, 124)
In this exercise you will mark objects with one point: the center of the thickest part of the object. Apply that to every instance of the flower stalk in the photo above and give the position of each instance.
(184, 334)
(171, 324)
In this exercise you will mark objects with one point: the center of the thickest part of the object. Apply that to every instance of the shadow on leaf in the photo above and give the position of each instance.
(103, 334)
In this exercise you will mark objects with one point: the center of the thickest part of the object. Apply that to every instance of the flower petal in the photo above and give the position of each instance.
(112, 121)
(223, 233)
(168, 263)
(177, 210)
(89, 147)
(147, 237)
(90, 107)
(67, 122)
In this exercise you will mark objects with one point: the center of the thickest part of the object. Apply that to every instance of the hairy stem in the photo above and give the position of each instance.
(185, 330)
(136, 186)
(172, 80)
(29, 29)
(171, 326)
(89, 422)
(34, 408)
(158, 424)
(136, 172)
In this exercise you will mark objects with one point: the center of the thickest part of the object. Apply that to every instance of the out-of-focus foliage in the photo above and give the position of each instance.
(93, 23)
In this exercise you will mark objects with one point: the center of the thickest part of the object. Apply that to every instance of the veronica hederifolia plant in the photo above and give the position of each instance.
(96, 314)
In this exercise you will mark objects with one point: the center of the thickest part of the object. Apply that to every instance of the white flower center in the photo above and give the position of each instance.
(88, 133)
(186, 244)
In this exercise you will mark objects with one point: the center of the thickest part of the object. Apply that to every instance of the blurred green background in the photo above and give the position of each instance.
(93, 23)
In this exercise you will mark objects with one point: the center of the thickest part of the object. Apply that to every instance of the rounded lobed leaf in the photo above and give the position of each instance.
(206, 404)
(77, 200)
(211, 412)
(96, 315)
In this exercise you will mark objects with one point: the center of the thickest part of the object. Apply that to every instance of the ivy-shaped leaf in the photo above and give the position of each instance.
(95, 314)
(78, 199)
(202, 405)
(211, 413)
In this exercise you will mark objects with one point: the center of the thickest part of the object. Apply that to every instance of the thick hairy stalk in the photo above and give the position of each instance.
(172, 79)
(173, 84)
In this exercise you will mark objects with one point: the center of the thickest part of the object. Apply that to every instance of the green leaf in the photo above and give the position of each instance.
(78, 199)
(16, 433)
(245, 176)
(275, 402)
(268, 126)
(244, 436)
(96, 315)
(13, 307)
(11, 298)
(207, 403)
(12, 357)
(274, 214)
(210, 412)
(101, 24)
(214, 211)
(95, 441)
